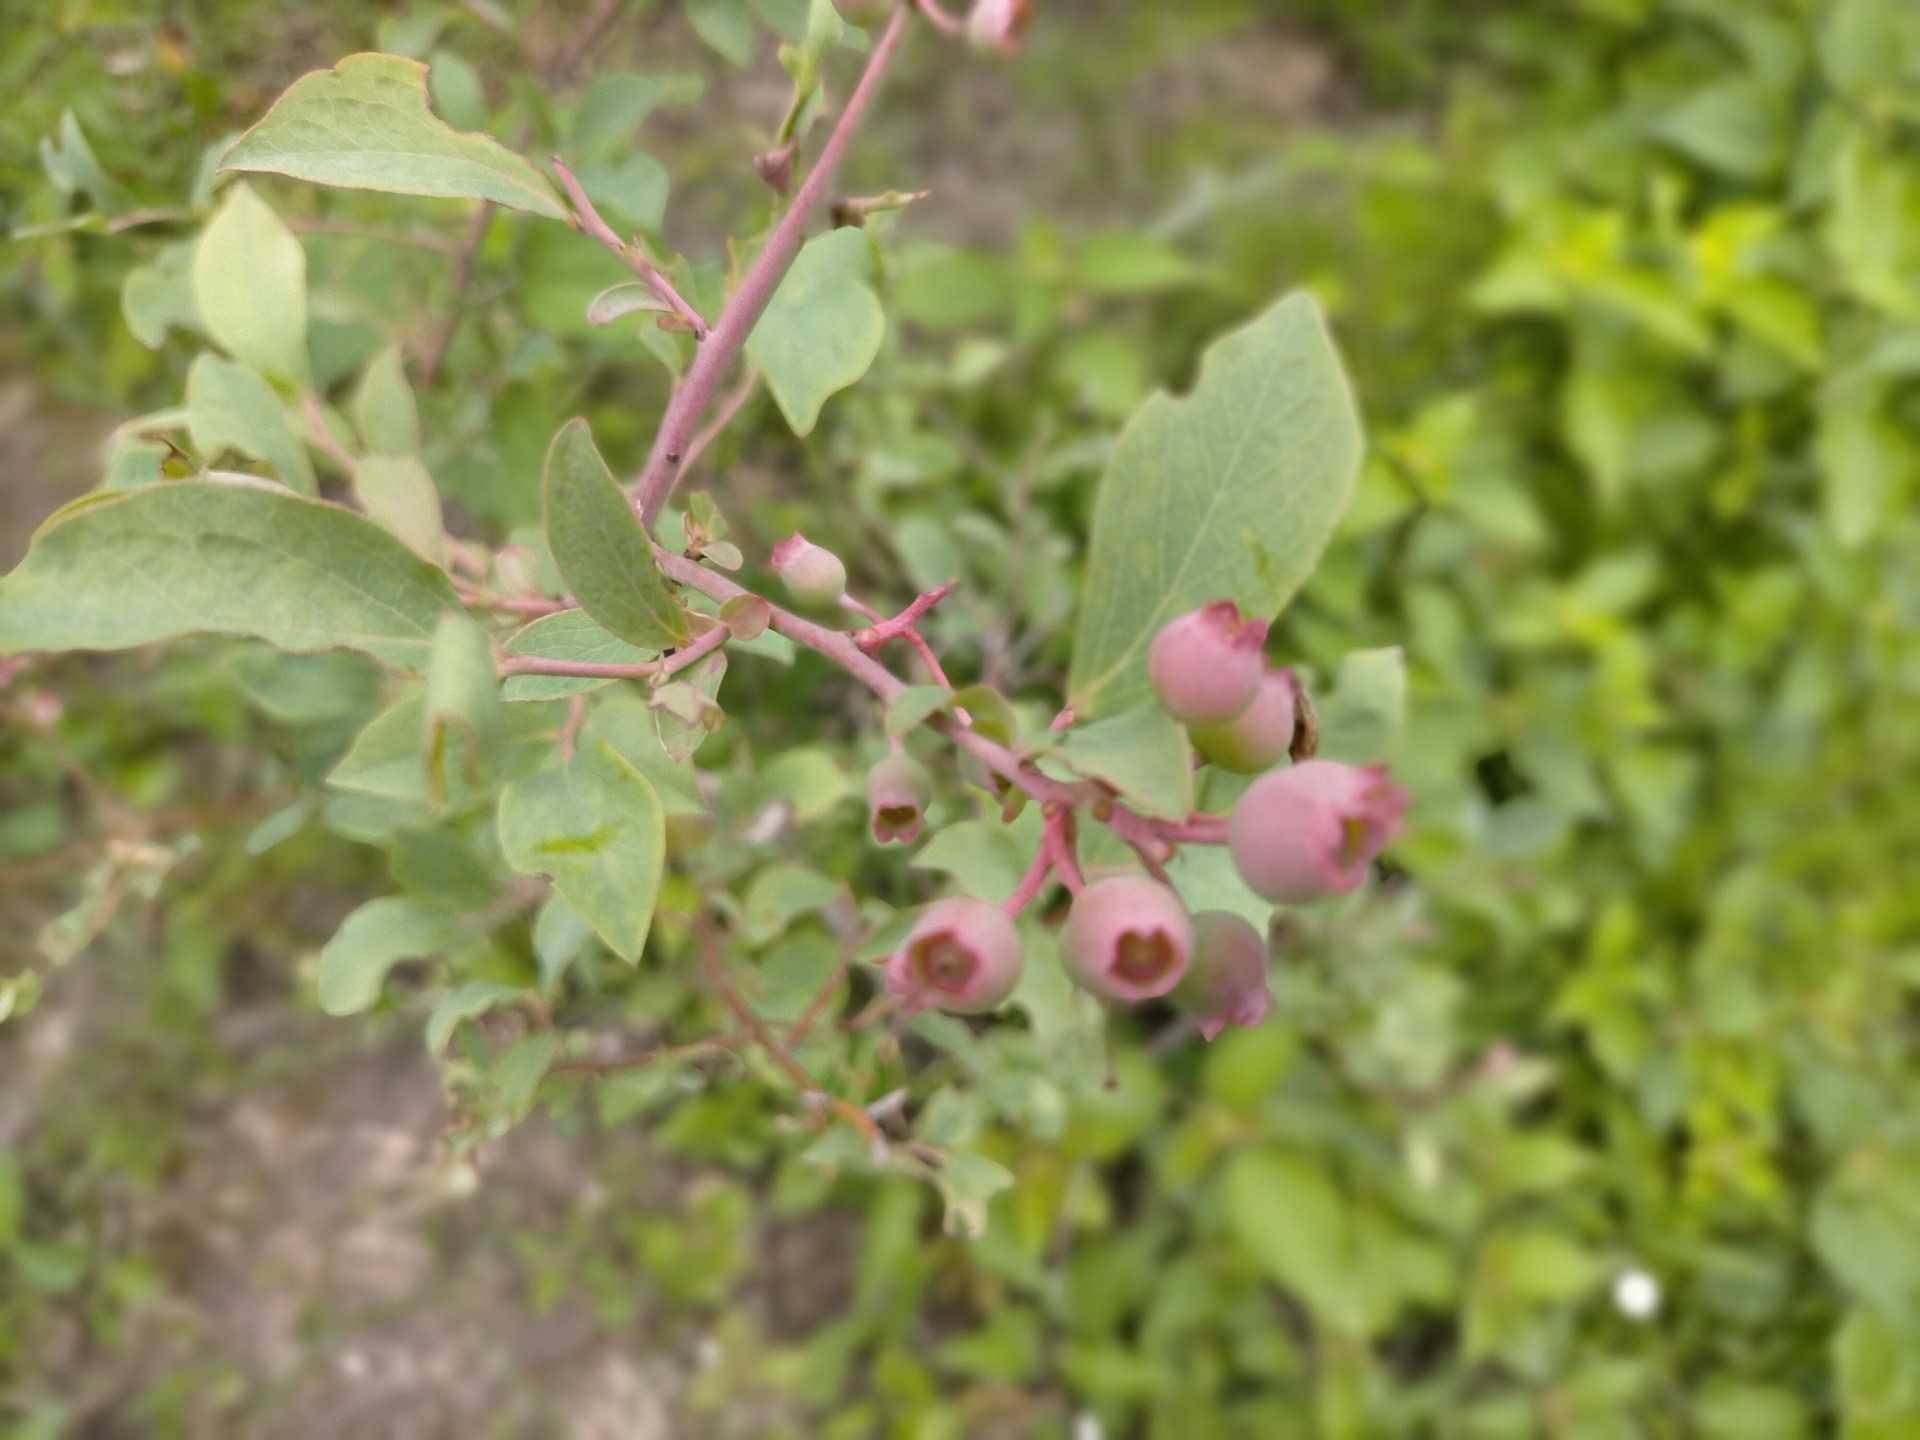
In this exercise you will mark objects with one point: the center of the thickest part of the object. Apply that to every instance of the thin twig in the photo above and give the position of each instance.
(876, 635)
(743, 308)
(512, 604)
(940, 20)
(1033, 881)
(729, 407)
(776, 1051)
(700, 647)
(587, 220)
(435, 350)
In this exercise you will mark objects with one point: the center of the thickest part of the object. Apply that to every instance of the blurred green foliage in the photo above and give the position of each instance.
(1631, 292)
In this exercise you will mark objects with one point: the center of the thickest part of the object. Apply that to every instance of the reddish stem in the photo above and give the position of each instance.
(874, 636)
(1138, 831)
(1033, 881)
(702, 645)
(587, 219)
(671, 443)
(940, 20)
(1057, 839)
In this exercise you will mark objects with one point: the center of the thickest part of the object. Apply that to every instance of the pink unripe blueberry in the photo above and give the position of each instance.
(813, 575)
(1311, 830)
(897, 791)
(1127, 938)
(1258, 737)
(962, 955)
(1206, 665)
(999, 23)
(1227, 982)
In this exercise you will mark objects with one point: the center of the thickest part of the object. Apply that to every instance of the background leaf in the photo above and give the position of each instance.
(229, 407)
(823, 327)
(250, 285)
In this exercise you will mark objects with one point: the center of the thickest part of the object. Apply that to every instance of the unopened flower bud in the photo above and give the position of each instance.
(1312, 830)
(813, 576)
(999, 23)
(1206, 665)
(1127, 938)
(1227, 982)
(897, 791)
(1257, 738)
(963, 955)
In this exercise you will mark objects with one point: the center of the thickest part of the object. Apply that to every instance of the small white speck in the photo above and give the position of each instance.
(1636, 1294)
(1086, 1426)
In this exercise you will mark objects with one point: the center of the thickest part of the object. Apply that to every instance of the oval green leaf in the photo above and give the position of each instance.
(1231, 492)
(125, 568)
(600, 547)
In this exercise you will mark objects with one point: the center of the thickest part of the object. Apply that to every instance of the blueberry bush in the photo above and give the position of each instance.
(668, 557)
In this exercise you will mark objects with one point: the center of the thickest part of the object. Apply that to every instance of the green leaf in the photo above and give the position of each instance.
(383, 407)
(456, 90)
(462, 717)
(72, 166)
(626, 723)
(229, 407)
(600, 547)
(397, 491)
(1229, 493)
(515, 1077)
(987, 859)
(250, 285)
(912, 707)
(568, 635)
(466, 1002)
(1739, 127)
(365, 125)
(159, 295)
(632, 188)
(1864, 457)
(1360, 723)
(370, 942)
(779, 895)
(385, 758)
(115, 570)
(968, 1181)
(1126, 262)
(1291, 1217)
(1143, 753)
(305, 689)
(823, 327)
(724, 25)
(616, 105)
(558, 936)
(595, 828)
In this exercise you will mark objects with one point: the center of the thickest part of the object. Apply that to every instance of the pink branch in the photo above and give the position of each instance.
(940, 20)
(701, 647)
(1057, 839)
(874, 636)
(587, 219)
(1032, 882)
(1139, 831)
(743, 308)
